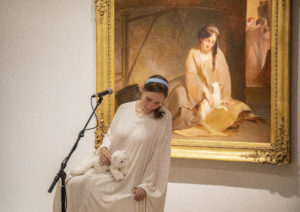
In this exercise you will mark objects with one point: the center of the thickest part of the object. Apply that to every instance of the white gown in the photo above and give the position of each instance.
(147, 142)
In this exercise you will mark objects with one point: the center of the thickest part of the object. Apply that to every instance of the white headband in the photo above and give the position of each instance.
(213, 29)
(157, 80)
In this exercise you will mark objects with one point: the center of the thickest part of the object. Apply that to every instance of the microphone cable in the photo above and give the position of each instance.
(92, 106)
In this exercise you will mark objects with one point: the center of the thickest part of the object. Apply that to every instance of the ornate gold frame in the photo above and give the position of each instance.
(277, 151)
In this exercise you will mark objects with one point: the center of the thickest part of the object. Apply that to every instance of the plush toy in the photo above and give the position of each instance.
(118, 167)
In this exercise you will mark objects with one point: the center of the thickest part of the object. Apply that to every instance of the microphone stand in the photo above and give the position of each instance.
(61, 174)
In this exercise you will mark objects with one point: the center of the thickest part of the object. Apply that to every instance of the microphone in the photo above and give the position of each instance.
(108, 91)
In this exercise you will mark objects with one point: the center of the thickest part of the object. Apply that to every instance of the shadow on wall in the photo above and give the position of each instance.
(282, 179)
(277, 179)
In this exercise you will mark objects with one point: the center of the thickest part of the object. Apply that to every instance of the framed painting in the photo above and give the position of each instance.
(227, 63)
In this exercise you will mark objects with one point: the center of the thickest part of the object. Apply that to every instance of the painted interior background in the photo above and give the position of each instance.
(154, 37)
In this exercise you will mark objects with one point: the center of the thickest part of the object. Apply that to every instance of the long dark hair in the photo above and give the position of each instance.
(158, 88)
(206, 32)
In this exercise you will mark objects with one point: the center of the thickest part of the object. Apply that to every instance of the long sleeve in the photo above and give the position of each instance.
(106, 140)
(108, 137)
(223, 75)
(157, 171)
(194, 84)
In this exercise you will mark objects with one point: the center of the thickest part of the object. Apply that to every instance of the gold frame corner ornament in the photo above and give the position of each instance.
(276, 151)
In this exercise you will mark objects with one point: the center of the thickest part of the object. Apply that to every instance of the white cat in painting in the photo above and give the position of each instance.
(205, 108)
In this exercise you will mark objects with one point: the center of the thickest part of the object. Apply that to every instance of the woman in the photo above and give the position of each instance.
(205, 64)
(143, 129)
(257, 45)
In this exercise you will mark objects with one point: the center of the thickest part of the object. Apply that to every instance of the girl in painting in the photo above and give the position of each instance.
(203, 106)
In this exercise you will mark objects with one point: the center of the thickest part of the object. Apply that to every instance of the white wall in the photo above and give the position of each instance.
(47, 74)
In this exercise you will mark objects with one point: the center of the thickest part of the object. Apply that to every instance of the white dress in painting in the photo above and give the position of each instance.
(147, 142)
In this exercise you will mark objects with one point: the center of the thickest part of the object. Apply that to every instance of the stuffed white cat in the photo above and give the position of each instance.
(118, 167)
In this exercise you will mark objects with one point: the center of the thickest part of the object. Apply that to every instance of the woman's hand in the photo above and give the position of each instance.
(228, 102)
(105, 157)
(139, 193)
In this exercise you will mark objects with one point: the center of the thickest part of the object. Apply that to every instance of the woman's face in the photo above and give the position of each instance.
(151, 101)
(206, 44)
